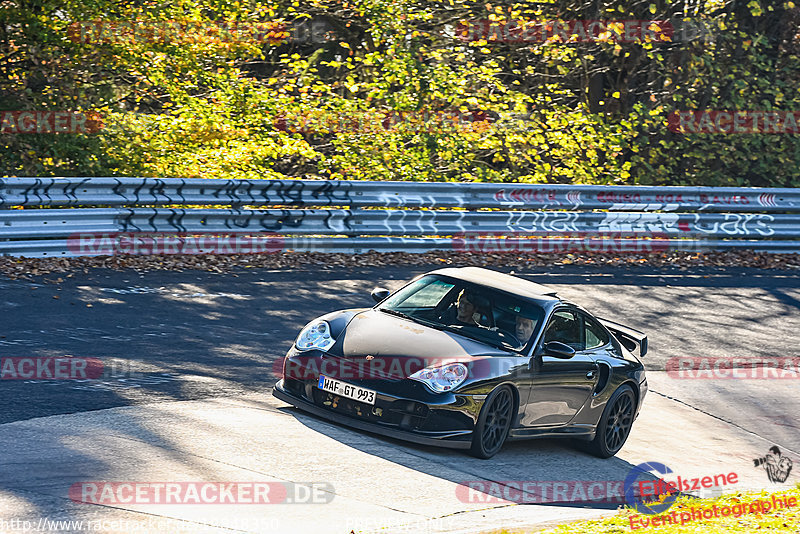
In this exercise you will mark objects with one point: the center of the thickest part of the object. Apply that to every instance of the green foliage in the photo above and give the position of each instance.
(206, 102)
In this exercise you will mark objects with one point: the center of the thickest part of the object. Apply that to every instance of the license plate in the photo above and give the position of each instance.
(346, 390)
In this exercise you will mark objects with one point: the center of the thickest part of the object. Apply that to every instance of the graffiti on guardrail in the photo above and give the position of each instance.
(626, 199)
(690, 223)
(585, 218)
(299, 193)
(419, 222)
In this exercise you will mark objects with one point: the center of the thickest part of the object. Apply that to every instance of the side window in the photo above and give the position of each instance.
(565, 326)
(596, 336)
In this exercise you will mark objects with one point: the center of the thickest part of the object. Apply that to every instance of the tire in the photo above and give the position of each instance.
(493, 424)
(614, 425)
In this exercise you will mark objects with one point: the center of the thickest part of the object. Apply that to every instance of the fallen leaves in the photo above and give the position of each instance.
(27, 267)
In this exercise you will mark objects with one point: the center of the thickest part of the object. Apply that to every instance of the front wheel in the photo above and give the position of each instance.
(493, 423)
(615, 424)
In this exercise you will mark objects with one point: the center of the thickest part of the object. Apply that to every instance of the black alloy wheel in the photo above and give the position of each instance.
(493, 424)
(615, 424)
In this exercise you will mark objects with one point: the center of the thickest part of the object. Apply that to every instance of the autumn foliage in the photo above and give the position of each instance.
(207, 89)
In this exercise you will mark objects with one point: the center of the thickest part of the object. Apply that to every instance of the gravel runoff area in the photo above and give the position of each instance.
(25, 268)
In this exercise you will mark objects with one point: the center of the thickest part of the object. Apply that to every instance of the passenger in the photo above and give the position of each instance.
(524, 329)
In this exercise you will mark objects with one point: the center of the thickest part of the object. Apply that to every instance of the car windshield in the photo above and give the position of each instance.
(474, 311)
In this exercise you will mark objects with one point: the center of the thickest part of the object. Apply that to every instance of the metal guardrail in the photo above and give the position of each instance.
(359, 194)
(15, 224)
(328, 216)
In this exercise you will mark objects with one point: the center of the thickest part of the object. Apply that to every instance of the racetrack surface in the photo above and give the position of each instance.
(212, 340)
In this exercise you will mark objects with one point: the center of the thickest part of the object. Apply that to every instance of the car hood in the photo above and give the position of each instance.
(378, 334)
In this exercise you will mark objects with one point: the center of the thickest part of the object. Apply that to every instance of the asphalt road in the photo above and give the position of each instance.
(182, 336)
(212, 340)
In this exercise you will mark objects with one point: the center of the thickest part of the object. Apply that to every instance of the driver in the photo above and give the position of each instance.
(465, 309)
(524, 329)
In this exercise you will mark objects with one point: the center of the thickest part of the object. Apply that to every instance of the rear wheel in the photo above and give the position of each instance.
(493, 423)
(615, 424)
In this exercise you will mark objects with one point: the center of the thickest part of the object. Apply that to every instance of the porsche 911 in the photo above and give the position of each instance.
(469, 358)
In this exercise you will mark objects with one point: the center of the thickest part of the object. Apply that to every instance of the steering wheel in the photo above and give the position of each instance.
(512, 339)
(441, 315)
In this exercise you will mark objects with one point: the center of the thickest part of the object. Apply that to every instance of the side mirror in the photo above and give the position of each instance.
(557, 349)
(379, 293)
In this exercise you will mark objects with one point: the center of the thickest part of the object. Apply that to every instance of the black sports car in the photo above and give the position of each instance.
(467, 358)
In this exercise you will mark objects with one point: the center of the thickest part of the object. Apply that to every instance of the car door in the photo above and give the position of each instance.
(560, 387)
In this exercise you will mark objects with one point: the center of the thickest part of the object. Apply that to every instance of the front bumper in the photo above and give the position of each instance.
(405, 419)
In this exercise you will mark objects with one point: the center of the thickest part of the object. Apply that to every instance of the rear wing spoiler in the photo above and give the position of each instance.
(629, 337)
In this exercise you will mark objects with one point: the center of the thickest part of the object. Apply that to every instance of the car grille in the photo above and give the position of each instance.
(405, 414)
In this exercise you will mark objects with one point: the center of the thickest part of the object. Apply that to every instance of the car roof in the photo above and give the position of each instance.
(501, 281)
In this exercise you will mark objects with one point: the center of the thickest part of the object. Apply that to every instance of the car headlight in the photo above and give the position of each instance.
(316, 335)
(443, 378)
